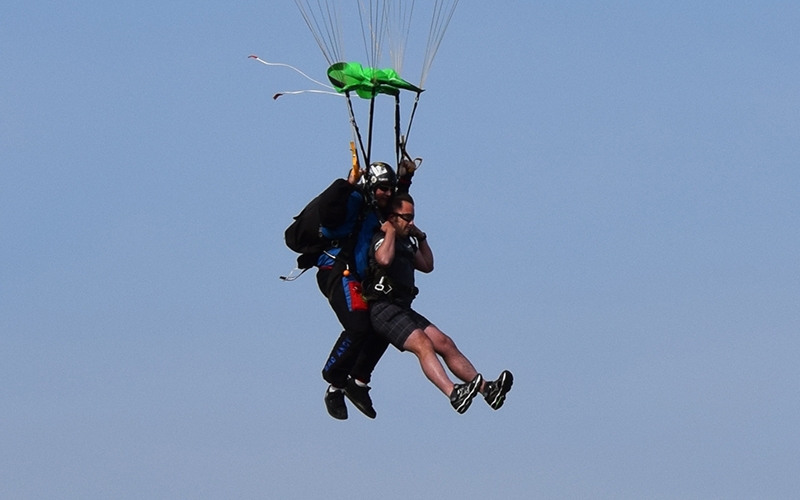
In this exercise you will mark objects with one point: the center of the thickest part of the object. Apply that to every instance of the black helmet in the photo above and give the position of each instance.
(380, 173)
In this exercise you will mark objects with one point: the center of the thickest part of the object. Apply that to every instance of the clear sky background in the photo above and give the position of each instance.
(610, 190)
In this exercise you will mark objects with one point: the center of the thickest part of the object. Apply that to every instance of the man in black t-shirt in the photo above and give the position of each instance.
(398, 250)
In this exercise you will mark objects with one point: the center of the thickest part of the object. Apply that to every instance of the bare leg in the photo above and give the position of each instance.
(419, 343)
(453, 358)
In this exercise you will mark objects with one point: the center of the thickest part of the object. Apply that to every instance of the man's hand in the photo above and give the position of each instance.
(423, 259)
(388, 228)
(417, 233)
(406, 168)
(354, 176)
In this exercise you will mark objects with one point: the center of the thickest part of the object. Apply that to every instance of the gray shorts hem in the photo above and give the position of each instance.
(396, 323)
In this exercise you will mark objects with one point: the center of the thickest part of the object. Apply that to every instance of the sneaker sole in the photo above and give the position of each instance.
(507, 380)
(332, 411)
(474, 386)
(366, 410)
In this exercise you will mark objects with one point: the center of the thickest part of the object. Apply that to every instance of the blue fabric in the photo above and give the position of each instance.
(361, 252)
(369, 226)
(354, 203)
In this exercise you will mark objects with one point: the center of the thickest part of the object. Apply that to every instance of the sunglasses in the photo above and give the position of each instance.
(405, 217)
(383, 187)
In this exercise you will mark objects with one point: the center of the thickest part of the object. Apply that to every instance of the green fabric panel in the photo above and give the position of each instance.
(367, 82)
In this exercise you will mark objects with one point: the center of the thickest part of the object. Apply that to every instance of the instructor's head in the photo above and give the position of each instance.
(382, 179)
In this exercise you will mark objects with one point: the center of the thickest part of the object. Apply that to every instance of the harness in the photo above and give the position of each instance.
(379, 285)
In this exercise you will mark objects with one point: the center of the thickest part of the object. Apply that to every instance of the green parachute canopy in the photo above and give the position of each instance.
(367, 82)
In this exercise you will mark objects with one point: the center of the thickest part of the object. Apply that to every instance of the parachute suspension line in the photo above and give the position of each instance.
(328, 39)
(335, 31)
(411, 119)
(400, 18)
(373, 18)
(313, 27)
(367, 45)
(354, 125)
(443, 13)
(385, 24)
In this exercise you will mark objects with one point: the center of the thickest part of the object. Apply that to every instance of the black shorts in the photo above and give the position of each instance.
(395, 323)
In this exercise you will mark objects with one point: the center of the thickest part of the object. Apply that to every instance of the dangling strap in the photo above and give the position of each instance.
(292, 276)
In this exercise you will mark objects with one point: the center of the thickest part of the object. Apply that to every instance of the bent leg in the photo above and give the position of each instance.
(354, 317)
(422, 347)
(453, 358)
(371, 352)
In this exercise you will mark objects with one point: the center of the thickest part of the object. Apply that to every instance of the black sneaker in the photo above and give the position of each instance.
(462, 394)
(334, 402)
(495, 393)
(359, 396)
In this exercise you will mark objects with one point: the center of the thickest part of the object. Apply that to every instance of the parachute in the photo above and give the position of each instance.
(385, 28)
(367, 82)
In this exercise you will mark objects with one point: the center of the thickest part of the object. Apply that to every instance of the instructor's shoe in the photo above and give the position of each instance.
(359, 396)
(462, 394)
(334, 402)
(495, 393)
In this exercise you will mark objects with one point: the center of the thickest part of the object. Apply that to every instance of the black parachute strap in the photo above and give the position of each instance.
(404, 156)
(402, 153)
(411, 118)
(368, 157)
(354, 124)
(398, 141)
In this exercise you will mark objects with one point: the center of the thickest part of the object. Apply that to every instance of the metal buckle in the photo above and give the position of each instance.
(380, 287)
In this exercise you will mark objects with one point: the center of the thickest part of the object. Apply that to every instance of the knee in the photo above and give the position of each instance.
(444, 344)
(419, 343)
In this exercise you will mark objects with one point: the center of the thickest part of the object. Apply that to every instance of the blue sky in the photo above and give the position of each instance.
(610, 191)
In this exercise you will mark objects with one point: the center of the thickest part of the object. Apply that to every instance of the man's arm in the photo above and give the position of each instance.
(423, 259)
(405, 171)
(384, 253)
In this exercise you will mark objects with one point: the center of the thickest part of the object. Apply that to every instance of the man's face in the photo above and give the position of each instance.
(403, 218)
(383, 193)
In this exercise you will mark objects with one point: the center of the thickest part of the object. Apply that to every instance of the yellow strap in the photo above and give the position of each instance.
(356, 168)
